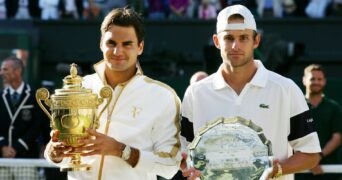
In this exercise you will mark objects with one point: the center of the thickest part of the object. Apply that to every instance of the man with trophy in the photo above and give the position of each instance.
(138, 131)
(243, 87)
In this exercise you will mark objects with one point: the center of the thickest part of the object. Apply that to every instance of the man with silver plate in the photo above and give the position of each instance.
(243, 87)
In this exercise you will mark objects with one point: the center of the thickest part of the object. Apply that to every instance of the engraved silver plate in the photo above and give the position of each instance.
(231, 148)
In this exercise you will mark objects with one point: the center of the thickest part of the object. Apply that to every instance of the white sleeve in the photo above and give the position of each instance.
(187, 105)
(166, 156)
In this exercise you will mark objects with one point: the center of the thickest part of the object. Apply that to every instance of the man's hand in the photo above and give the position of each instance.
(274, 171)
(189, 173)
(57, 150)
(98, 143)
(8, 152)
(317, 170)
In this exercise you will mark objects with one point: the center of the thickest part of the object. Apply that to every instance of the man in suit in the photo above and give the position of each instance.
(20, 120)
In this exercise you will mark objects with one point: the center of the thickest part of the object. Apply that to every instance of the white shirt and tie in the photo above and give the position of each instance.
(15, 94)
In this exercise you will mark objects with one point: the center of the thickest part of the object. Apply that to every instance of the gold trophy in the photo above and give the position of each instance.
(73, 110)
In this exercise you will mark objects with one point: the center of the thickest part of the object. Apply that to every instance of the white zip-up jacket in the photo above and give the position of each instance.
(145, 115)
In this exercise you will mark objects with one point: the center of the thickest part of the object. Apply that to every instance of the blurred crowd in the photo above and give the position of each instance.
(164, 9)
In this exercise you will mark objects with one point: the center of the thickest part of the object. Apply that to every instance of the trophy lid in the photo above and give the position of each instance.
(72, 84)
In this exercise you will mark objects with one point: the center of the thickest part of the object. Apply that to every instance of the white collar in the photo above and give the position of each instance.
(100, 66)
(259, 79)
(19, 90)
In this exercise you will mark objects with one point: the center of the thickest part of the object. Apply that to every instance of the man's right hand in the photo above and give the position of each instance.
(8, 152)
(57, 150)
(317, 170)
(189, 173)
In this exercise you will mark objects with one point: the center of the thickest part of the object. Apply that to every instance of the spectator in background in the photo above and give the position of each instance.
(206, 10)
(327, 115)
(318, 8)
(192, 10)
(68, 9)
(157, 9)
(3, 11)
(35, 11)
(21, 120)
(197, 76)
(289, 7)
(81, 6)
(105, 6)
(90, 10)
(23, 10)
(300, 8)
(49, 8)
(178, 9)
(270, 8)
(217, 5)
(11, 8)
(22, 54)
(295, 8)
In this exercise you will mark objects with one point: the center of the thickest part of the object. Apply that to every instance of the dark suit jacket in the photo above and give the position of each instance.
(21, 126)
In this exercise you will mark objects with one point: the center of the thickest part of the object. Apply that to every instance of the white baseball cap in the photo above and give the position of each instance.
(222, 19)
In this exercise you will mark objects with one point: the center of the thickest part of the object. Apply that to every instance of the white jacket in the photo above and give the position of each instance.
(145, 116)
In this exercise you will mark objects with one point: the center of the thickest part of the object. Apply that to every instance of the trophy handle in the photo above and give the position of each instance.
(105, 93)
(43, 94)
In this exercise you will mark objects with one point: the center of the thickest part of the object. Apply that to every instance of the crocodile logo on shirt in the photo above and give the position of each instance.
(265, 106)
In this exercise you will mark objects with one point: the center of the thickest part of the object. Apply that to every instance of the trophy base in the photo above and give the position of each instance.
(78, 167)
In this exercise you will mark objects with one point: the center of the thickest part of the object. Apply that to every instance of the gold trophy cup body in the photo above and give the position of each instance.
(73, 110)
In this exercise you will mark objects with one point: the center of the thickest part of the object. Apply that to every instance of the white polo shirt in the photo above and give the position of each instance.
(271, 101)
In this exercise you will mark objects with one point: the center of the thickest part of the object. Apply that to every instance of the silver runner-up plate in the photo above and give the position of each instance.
(231, 149)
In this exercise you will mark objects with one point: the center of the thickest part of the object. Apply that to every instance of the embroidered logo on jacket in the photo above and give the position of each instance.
(263, 106)
(135, 111)
(26, 114)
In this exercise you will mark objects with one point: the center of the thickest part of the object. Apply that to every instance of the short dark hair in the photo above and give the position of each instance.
(124, 17)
